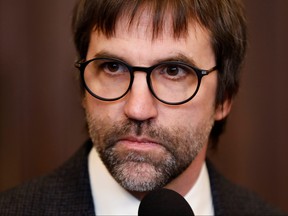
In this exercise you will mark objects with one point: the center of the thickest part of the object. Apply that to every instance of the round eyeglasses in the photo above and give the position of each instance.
(170, 82)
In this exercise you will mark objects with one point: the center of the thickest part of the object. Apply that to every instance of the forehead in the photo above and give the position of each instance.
(143, 26)
(136, 42)
(148, 23)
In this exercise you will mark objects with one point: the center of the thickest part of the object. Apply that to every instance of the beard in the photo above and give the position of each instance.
(143, 171)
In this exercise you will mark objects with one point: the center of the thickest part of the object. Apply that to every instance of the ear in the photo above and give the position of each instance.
(222, 110)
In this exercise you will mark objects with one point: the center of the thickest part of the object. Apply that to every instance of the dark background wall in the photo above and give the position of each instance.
(42, 124)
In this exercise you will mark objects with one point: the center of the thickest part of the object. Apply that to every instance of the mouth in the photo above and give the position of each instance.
(139, 143)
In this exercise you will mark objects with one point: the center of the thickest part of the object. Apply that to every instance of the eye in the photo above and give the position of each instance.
(113, 67)
(173, 71)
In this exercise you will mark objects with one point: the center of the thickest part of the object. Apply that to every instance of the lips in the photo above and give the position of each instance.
(138, 143)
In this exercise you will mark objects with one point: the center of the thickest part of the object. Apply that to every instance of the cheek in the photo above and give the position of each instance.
(200, 109)
(188, 116)
(206, 96)
(102, 109)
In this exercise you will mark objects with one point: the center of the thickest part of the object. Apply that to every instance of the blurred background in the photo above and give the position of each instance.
(41, 120)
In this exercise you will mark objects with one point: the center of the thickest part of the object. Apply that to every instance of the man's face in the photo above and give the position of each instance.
(144, 143)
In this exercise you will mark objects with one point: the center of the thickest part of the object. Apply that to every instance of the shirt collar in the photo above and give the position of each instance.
(111, 199)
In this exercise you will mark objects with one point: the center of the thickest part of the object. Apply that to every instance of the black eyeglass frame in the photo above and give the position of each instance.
(81, 65)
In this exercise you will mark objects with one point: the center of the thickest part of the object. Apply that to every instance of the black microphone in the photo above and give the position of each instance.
(164, 202)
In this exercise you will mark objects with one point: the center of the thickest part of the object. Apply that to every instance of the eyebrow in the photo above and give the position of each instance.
(178, 57)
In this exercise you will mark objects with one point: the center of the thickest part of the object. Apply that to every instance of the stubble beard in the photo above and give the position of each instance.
(142, 171)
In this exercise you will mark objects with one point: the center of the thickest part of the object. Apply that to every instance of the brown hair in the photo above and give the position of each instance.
(224, 19)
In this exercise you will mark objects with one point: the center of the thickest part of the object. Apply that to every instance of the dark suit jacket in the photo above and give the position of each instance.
(67, 192)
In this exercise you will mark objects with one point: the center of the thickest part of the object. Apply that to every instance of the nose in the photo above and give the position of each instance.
(140, 104)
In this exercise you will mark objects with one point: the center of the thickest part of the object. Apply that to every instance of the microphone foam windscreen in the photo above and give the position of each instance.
(164, 202)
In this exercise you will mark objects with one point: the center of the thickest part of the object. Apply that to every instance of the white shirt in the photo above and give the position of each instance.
(111, 199)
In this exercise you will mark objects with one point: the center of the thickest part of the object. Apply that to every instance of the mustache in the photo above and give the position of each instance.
(138, 128)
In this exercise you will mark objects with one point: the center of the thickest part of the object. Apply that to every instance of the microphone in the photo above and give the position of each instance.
(164, 202)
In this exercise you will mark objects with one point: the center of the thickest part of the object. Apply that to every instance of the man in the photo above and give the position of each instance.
(158, 82)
